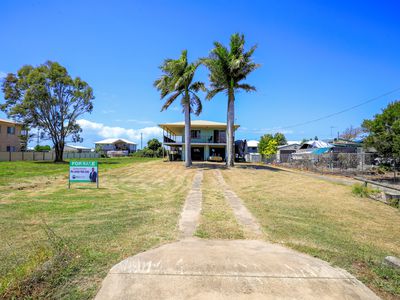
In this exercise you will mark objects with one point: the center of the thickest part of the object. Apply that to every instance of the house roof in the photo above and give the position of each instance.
(115, 140)
(78, 147)
(290, 146)
(177, 128)
(10, 122)
(252, 143)
(293, 142)
(316, 144)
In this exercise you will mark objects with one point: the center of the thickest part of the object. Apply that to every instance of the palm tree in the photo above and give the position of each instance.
(228, 68)
(177, 80)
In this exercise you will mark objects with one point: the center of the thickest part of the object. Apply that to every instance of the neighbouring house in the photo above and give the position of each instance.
(312, 147)
(252, 146)
(284, 152)
(208, 140)
(10, 136)
(77, 149)
(346, 146)
(116, 146)
(252, 154)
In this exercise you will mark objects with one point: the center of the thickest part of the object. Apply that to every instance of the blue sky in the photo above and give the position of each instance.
(317, 57)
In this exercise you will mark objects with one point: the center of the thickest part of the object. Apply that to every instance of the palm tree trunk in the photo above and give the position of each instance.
(188, 152)
(230, 129)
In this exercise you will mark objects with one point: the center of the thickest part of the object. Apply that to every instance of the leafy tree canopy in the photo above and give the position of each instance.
(280, 139)
(154, 144)
(384, 131)
(177, 80)
(48, 98)
(269, 143)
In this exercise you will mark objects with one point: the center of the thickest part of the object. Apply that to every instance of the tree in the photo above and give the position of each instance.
(280, 139)
(384, 131)
(304, 140)
(351, 133)
(154, 144)
(46, 97)
(25, 137)
(176, 81)
(228, 68)
(268, 145)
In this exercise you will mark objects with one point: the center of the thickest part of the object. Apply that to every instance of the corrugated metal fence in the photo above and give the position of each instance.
(41, 156)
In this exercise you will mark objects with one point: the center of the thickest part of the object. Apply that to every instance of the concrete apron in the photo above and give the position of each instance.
(214, 269)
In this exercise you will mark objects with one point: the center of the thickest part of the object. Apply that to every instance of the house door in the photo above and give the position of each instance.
(198, 153)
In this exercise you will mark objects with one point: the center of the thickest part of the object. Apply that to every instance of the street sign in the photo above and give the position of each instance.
(83, 171)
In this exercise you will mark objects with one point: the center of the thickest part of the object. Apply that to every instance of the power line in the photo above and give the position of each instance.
(344, 110)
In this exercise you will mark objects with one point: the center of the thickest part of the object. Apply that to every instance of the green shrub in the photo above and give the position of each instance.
(363, 191)
(40, 148)
(395, 202)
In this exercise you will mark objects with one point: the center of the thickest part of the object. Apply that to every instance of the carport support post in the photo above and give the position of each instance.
(163, 139)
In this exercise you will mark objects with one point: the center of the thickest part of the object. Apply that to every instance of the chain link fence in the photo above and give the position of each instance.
(367, 165)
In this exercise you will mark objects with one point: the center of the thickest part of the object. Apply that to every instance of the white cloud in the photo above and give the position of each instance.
(139, 121)
(105, 131)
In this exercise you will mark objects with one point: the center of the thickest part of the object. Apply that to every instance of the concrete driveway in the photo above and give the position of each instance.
(214, 269)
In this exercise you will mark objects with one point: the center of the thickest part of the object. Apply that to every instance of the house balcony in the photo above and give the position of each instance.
(209, 139)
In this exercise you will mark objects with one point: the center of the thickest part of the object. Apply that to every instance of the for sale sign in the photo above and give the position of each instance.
(83, 171)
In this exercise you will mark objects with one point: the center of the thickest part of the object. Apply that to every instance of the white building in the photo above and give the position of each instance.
(252, 146)
(78, 149)
(116, 144)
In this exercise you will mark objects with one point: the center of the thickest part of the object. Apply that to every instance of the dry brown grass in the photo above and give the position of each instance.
(136, 208)
(217, 220)
(324, 219)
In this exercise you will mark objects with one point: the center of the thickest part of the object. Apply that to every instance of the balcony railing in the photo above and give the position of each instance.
(200, 139)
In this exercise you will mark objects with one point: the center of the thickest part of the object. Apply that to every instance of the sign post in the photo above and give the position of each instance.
(83, 171)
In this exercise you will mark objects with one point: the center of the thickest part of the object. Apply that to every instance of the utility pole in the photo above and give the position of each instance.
(38, 137)
(141, 141)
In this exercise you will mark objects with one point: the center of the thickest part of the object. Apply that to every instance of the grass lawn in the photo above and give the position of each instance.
(324, 220)
(60, 243)
(217, 220)
(23, 171)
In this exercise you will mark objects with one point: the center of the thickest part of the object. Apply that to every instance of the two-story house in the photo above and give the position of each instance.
(116, 144)
(10, 133)
(208, 140)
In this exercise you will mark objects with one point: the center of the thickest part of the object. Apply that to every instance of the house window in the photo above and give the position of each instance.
(10, 130)
(195, 134)
(10, 148)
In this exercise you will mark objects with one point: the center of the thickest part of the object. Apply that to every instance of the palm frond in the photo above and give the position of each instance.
(170, 100)
(228, 67)
(198, 86)
(213, 92)
(195, 104)
(177, 80)
(246, 87)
